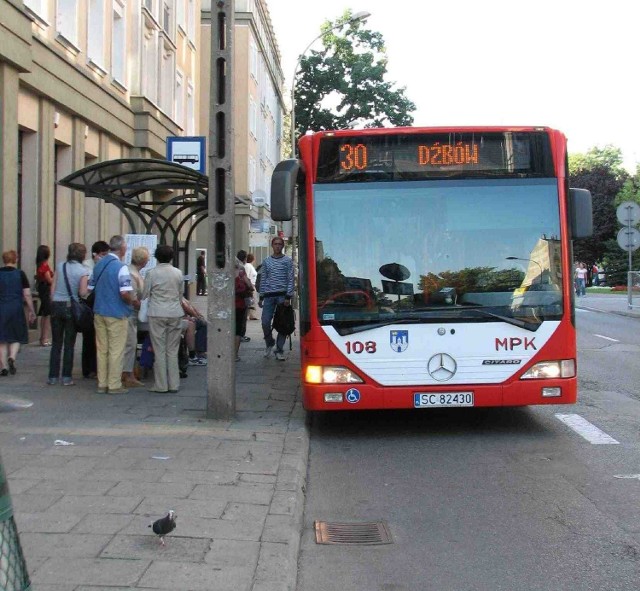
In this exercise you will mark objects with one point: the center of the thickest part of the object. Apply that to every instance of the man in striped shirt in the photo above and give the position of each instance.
(276, 287)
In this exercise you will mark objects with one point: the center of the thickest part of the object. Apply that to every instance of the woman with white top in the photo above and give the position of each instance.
(163, 287)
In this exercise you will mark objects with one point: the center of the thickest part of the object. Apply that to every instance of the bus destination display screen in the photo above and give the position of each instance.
(436, 155)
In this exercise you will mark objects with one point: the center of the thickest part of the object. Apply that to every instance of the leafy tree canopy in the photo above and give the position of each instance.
(601, 172)
(345, 82)
(630, 190)
(608, 157)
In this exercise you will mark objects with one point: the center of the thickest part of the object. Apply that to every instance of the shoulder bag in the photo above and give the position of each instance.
(80, 310)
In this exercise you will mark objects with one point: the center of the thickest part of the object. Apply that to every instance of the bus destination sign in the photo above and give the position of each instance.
(356, 157)
(404, 156)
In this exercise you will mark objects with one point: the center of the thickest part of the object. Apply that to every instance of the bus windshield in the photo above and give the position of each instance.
(464, 250)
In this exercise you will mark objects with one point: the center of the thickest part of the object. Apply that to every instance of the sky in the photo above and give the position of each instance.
(567, 64)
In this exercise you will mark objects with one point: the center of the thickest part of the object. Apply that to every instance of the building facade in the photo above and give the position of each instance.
(85, 81)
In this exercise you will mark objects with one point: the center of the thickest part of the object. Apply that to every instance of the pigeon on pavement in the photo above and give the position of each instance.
(165, 525)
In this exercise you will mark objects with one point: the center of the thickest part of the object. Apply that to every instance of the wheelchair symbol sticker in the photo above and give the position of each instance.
(352, 395)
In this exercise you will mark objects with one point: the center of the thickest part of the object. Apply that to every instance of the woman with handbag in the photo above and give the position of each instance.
(69, 283)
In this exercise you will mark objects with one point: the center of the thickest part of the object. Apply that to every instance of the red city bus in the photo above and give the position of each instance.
(435, 266)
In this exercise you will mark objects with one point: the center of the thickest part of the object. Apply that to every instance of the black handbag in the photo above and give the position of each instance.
(81, 312)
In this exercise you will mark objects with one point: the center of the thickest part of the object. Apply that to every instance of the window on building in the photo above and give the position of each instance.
(253, 60)
(150, 63)
(253, 118)
(39, 8)
(167, 76)
(167, 17)
(148, 4)
(95, 32)
(181, 20)
(118, 42)
(252, 174)
(191, 109)
(179, 113)
(191, 19)
(67, 20)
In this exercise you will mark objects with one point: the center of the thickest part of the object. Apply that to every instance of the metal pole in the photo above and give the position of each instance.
(630, 261)
(221, 369)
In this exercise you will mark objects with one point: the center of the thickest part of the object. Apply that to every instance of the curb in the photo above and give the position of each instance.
(628, 314)
(277, 568)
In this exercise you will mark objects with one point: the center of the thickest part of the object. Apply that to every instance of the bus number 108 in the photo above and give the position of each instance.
(358, 347)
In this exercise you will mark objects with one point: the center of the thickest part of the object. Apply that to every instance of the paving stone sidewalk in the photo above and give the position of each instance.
(88, 473)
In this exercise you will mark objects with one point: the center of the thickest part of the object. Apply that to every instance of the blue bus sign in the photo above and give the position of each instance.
(188, 151)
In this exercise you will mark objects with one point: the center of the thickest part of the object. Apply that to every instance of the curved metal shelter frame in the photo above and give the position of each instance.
(125, 182)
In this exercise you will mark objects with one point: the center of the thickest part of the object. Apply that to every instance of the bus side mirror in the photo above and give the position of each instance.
(283, 189)
(580, 213)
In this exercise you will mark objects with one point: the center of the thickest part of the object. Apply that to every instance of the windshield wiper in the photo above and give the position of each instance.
(531, 326)
(356, 326)
(347, 327)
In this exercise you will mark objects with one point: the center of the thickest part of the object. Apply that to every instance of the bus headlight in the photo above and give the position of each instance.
(564, 368)
(330, 374)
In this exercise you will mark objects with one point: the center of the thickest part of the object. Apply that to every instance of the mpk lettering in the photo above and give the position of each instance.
(512, 343)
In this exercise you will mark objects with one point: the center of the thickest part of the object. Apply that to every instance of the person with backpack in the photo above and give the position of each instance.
(276, 287)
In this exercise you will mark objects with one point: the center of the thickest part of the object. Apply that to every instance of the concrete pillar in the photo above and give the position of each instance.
(78, 198)
(64, 207)
(30, 203)
(221, 370)
(47, 178)
(8, 157)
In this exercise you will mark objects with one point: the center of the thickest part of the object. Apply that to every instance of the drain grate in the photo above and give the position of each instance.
(367, 534)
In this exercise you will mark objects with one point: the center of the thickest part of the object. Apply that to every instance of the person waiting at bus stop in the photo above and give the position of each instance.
(276, 287)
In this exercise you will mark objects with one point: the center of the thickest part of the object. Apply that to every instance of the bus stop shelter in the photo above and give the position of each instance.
(155, 196)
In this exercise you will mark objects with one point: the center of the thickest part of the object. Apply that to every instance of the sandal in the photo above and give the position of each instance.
(45, 343)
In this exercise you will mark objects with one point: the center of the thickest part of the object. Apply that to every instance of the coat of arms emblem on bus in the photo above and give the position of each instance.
(399, 340)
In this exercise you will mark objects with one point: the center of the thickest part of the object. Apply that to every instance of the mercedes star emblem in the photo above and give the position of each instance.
(442, 367)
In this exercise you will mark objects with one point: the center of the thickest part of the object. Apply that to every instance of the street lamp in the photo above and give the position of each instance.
(529, 261)
(358, 16)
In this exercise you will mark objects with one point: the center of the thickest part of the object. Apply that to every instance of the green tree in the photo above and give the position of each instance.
(345, 82)
(608, 157)
(601, 172)
(630, 190)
